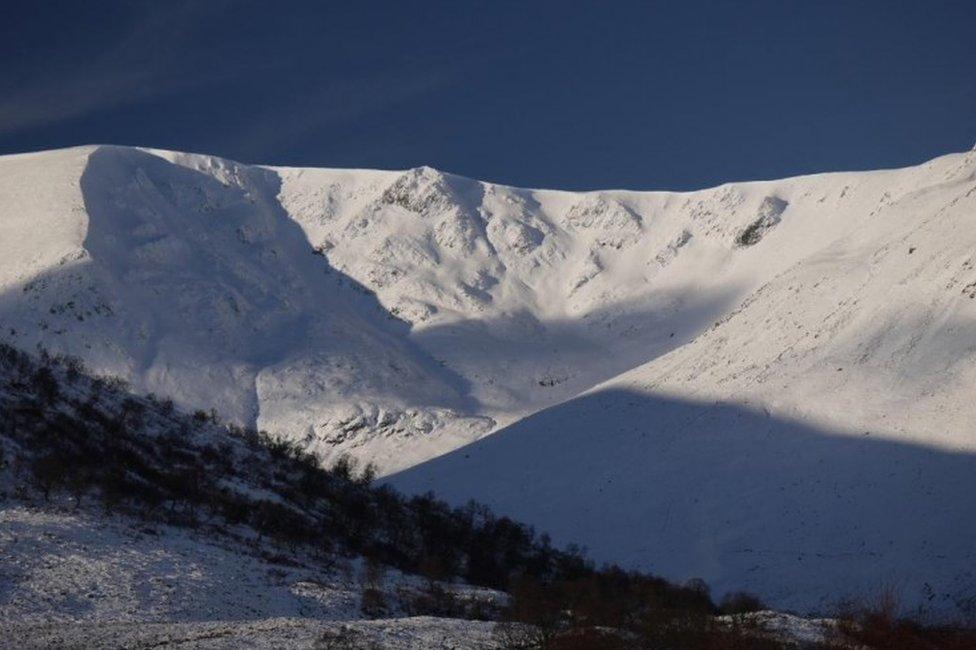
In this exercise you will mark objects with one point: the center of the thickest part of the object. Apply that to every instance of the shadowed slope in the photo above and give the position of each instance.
(196, 285)
(799, 515)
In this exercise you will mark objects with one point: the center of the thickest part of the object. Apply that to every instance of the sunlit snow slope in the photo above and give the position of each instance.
(758, 384)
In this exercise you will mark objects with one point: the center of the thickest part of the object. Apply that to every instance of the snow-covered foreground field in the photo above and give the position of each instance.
(395, 634)
(767, 385)
(86, 567)
(80, 580)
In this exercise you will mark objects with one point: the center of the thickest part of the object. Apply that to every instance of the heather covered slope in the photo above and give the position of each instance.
(124, 523)
(127, 523)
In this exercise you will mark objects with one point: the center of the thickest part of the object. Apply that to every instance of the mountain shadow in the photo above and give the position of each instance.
(545, 361)
(800, 515)
(196, 284)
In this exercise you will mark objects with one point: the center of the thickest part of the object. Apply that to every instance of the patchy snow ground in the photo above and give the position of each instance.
(81, 567)
(758, 384)
(275, 633)
(84, 581)
(81, 580)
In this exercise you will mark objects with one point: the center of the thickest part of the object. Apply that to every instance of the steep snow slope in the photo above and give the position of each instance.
(196, 277)
(815, 442)
(779, 367)
(533, 296)
(198, 286)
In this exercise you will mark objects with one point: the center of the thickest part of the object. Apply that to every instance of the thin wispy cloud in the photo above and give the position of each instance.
(333, 103)
(146, 61)
(644, 95)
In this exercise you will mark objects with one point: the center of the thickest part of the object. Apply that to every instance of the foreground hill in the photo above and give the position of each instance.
(757, 384)
(126, 523)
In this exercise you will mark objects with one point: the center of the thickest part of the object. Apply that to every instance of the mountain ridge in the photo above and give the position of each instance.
(400, 315)
(419, 272)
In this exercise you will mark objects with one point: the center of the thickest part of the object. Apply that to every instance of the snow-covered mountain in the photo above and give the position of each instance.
(767, 384)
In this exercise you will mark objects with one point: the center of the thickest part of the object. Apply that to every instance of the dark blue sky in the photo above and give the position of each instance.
(645, 95)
